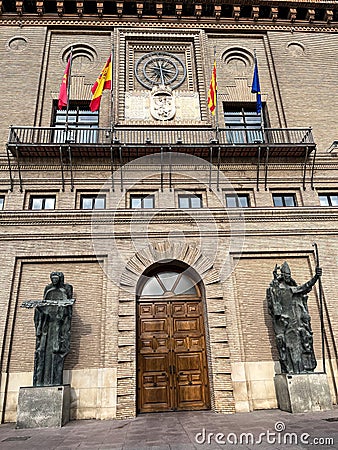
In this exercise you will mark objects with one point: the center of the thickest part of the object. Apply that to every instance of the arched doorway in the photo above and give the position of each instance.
(172, 372)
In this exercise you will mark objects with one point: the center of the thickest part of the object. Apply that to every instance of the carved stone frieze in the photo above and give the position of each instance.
(143, 106)
(203, 24)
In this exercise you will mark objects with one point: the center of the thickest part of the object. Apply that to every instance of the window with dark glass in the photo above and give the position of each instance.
(92, 201)
(284, 200)
(328, 199)
(243, 124)
(143, 201)
(2, 202)
(39, 202)
(237, 201)
(82, 124)
(190, 201)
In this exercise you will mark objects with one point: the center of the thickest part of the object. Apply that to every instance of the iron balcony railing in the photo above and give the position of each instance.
(124, 144)
(164, 136)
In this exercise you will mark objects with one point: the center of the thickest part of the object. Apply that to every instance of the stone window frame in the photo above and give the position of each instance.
(328, 195)
(43, 197)
(40, 193)
(237, 194)
(141, 192)
(93, 197)
(283, 195)
(189, 196)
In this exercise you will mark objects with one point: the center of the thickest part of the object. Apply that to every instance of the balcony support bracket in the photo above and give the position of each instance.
(210, 168)
(121, 168)
(19, 168)
(10, 170)
(71, 169)
(304, 168)
(266, 169)
(313, 168)
(62, 169)
(170, 175)
(112, 167)
(161, 169)
(258, 167)
(218, 166)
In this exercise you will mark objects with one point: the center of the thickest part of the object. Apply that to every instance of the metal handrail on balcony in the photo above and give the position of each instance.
(125, 143)
(239, 136)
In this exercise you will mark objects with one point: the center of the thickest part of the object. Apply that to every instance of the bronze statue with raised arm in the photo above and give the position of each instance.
(287, 303)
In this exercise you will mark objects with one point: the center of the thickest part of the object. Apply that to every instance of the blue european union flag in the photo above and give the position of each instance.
(256, 89)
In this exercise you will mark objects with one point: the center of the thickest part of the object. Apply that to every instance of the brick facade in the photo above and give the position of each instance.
(104, 253)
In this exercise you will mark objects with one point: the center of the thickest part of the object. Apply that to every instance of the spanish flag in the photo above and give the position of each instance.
(212, 94)
(103, 82)
(63, 95)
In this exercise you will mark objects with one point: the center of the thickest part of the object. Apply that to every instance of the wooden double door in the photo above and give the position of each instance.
(171, 362)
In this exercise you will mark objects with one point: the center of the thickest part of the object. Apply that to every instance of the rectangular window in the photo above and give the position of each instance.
(190, 201)
(2, 202)
(328, 199)
(143, 201)
(280, 200)
(243, 124)
(237, 201)
(82, 124)
(92, 201)
(42, 202)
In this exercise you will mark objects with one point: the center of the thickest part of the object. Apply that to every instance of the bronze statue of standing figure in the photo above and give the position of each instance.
(52, 319)
(287, 303)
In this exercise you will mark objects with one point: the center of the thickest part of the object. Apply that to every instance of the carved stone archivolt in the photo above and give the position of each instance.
(166, 250)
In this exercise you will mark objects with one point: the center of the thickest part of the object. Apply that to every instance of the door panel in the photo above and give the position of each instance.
(190, 357)
(172, 368)
(153, 357)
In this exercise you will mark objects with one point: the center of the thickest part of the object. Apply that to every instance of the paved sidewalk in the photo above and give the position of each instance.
(184, 431)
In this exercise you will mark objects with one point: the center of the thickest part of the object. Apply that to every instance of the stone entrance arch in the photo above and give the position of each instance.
(214, 316)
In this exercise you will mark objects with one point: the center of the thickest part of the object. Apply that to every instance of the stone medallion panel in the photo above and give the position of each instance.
(161, 78)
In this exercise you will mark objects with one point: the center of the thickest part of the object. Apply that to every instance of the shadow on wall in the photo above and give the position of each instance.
(78, 330)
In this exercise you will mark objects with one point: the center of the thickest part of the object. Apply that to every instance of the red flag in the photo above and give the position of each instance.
(63, 96)
(212, 94)
(103, 82)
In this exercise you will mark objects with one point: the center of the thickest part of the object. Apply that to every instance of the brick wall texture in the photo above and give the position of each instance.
(235, 250)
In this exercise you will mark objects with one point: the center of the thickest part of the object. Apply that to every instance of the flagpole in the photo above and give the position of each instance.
(68, 85)
(261, 110)
(217, 121)
(112, 92)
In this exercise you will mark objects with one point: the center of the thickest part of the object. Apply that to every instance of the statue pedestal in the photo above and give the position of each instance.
(43, 406)
(299, 393)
